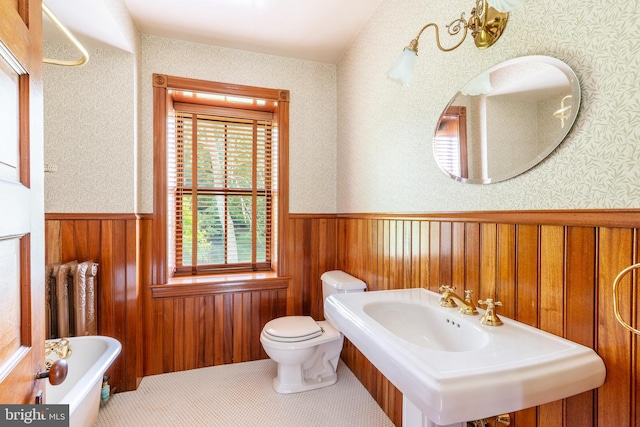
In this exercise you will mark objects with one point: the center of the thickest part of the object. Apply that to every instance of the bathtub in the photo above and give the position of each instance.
(90, 357)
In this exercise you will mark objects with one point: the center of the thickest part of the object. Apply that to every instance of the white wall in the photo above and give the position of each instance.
(385, 163)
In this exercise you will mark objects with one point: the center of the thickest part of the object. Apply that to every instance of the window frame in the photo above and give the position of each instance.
(186, 285)
(456, 117)
(224, 116)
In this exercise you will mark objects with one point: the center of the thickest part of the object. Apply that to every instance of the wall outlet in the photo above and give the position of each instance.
(50, 168)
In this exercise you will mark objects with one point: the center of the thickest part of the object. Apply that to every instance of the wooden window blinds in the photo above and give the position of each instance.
(223, 175)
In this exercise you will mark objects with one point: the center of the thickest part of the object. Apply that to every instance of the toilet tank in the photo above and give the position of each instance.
(339, 282)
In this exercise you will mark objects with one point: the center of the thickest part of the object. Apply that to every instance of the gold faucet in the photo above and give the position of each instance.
(448, 298)
(490, 317)
(61, 348)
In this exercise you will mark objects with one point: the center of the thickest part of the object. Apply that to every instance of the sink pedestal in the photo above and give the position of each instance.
(412, 416)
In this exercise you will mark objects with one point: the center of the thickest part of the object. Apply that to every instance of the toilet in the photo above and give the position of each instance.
(307, 351)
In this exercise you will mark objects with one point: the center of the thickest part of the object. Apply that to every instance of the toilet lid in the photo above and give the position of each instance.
(292, 329)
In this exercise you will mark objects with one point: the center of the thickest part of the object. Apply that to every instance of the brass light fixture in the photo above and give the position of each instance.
(486, 24)
(564, 111)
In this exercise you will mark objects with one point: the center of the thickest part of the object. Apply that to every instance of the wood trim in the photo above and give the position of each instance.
(627, 218)
(60, 216)
(221, 111)
(161, 84)
(312, 215)
(25, 129)
(158, 256)
(184, 83)
(285, 254)
(212, 287)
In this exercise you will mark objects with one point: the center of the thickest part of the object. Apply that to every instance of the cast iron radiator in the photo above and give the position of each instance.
(71, 299)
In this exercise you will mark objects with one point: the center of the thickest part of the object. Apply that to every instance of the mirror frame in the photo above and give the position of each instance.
(576, 101)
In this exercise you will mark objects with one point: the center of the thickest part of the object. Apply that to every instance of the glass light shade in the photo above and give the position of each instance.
(506, 5)
(480, 85)
(403, 67)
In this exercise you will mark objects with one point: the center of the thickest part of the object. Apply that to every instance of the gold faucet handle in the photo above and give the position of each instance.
(490, 303)
(490, 317)
(467, 295)
(446, 288)
(470, 307)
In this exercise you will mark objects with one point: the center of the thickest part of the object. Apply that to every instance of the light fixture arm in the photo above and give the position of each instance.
(486, 25)
(453, 28)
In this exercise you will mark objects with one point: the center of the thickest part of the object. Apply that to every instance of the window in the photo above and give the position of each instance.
(219, 196)
(450, 141)
(223, 193)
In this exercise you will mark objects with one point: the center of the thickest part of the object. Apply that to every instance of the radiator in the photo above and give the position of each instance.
(71, 299)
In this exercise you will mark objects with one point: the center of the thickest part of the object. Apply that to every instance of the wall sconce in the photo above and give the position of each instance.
(486, 23)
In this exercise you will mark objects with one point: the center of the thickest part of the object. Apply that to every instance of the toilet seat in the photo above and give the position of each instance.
(292, 329)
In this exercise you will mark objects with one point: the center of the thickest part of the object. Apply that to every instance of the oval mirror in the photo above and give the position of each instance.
(507, 119)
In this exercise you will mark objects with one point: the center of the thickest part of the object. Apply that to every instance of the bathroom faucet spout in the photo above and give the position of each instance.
(449, 298)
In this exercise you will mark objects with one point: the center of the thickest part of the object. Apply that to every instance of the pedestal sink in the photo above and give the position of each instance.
(453, 369)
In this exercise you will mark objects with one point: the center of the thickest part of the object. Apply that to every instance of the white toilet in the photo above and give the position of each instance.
(307, 352)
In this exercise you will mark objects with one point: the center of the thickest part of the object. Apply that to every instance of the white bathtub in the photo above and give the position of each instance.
(90, 357)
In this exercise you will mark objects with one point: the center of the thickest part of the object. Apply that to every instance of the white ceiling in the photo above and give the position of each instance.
(317, 30)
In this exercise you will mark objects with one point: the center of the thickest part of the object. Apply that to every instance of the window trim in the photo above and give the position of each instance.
(161, 85)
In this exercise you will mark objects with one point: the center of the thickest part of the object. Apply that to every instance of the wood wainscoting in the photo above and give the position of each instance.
(111, 241)
(551, 270)
(157, 335)
(195, 331)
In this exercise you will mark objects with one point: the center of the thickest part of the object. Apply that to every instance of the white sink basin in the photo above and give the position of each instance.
(453, 368)
(420, 325)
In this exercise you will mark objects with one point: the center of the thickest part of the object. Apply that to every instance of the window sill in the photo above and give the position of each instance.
(190, 286)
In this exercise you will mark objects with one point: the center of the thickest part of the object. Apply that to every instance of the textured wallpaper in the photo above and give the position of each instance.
(385, 162)
(99, 133)
(312, 87)
(359, 142)
(90, 124)
(90, 131)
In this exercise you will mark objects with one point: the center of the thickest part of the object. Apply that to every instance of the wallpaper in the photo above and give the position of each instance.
(99, 133)
(312, 110)
(385, 163)
(90, 132)
(359, 142)
(91, 123)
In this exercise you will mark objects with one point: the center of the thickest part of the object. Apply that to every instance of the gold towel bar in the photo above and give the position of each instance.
(72, 39)
(616, 310)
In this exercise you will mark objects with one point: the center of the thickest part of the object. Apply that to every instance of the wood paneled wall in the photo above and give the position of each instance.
(111, 241)
(201, 330)
(553, 271)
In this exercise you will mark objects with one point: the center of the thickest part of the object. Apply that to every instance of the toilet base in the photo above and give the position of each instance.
(317, 371)
(305, 365)
(305, 385)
